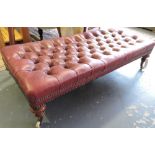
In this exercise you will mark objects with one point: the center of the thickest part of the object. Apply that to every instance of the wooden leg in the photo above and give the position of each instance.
(2, 43)
(11, 35)
(59, 31)
(40, 31)
(84, 29)
(39, 113)
(144, 62)
(25, 34)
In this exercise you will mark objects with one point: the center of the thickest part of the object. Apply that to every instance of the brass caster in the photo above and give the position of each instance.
(38, 124)
(39, 113)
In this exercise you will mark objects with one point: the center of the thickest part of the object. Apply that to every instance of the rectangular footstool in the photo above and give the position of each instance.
(48, 69)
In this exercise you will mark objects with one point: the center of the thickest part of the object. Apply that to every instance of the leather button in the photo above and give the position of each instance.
(102, 48)
(135, 37)
(47, 44)
(123, 46)
(111, 45)
(108, 41)
(95, 33)
(31, 55)
(92, 51)
(119, 43)
(98, 39)
(113, 35)
(82, 44)
(59, 61)
(80, 49)
(47, 52)
(106, 36)
(58, 56)
(123, 35)
(88, 35)
(44, 59)
(68, 40)
(59, 50)
(120, 31)
(90, 46)
(139, 41)
(100, 43)
(42, 66)
(116, 49)
(106, 53)
(103, 32)
(57, 42)
(28, 49)
(72, 58)
(131, 43)
(111, 30)
(97, 56)
(78, 38)
(127, 39)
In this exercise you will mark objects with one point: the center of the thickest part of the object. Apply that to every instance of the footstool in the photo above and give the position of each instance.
(47, 69)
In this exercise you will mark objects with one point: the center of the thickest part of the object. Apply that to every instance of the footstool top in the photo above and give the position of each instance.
(42, 68)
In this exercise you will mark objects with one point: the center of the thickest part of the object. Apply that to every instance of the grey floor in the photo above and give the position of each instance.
(124, 98)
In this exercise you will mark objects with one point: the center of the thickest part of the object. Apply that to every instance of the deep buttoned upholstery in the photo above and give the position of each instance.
(50, 68)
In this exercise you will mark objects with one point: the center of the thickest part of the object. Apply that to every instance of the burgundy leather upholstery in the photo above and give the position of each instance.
(50, 68)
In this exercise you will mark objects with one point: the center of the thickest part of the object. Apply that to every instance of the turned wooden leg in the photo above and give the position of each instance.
(39, 113)
(144, 62)
(59, 31)
(40, 31)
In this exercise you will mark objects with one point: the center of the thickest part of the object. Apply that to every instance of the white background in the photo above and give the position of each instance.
(77, 13)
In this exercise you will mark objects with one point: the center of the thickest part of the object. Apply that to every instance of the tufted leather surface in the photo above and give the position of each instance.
(50, 68)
